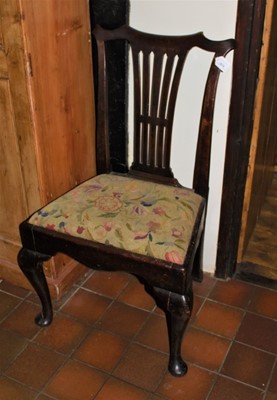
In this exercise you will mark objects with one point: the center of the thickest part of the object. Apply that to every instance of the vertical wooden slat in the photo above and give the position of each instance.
(155, 92)
(137, 104)
(171, 108)
(145, 106)
(162, 110)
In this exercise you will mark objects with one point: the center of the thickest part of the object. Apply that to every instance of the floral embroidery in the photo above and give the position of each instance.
(174, 257)
(142, 217)
(108, 203)
(80, 229)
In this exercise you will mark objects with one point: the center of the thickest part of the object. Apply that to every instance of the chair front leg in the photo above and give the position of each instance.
(178, 310)
(31, 264)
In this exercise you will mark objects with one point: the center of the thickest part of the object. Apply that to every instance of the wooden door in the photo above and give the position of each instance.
(46, 119)
(258, 246)
(18, 178)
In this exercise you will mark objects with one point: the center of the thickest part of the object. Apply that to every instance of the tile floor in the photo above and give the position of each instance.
(108, 342)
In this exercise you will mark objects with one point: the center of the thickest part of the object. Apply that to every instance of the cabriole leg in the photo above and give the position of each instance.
(177, 309)
(31, 264)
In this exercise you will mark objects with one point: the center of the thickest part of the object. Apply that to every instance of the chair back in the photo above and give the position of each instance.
(158, 63)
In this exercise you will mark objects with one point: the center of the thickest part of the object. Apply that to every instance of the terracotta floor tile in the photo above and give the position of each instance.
(22, 321)
(142, 367)
(204, 288)
(35, 366)
(235, 293)
(14, 290)
(259, 332)
(11, 345)
(44, 397)
(123, 320)
(227, 389)
(154, 333)
(194, 385)
(273, 384)
(248, 365)
(159, 311)
(197, 304)
(115, 389)
(204, 349)
(135, 295)
(7, 304)
(109, 284)
(264, 302)
(138, 370)
(11, 390)
(56, 303)
(63, 335)
(76, 381)
(219, 318)
(102, 350)
(86, 306)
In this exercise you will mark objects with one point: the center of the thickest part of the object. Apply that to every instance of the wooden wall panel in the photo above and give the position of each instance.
(57, 38)
(15, 64)
(47, 141)
(12, 197)
(18, 178)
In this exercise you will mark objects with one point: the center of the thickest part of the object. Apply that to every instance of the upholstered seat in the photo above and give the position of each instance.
(142, 217)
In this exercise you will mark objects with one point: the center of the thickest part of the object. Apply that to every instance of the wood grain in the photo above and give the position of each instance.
(46, 118)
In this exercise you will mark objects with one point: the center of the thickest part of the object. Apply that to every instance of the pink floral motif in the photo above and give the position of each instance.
(108, 203)
(138, 210)
(108, 226)
(176, 232)
(141, 235)
(174, 256)
(153, 226)
(159, 211)
(80, 229)
(51, 226)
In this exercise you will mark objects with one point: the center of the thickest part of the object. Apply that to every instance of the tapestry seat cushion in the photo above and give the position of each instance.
(142, 217)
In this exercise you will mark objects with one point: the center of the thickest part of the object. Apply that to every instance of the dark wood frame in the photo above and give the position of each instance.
(249, 31)
(111, 14)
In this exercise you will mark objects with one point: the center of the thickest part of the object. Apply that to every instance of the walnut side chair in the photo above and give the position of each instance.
(142, 222)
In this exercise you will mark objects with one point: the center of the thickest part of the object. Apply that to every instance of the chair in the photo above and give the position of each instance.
(142, 222)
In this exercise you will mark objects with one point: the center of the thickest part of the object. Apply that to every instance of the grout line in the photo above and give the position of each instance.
(270, 378)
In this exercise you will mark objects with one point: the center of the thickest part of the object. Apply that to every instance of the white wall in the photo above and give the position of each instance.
(217, 19)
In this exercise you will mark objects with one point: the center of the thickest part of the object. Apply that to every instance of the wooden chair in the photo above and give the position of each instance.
(143, 222)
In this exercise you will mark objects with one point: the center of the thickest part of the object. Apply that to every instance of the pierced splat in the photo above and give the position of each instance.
(157, 75)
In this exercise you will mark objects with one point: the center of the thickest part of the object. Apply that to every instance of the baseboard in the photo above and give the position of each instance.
(58, 286)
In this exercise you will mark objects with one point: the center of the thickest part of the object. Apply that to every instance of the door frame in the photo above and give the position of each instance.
(249, 31)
